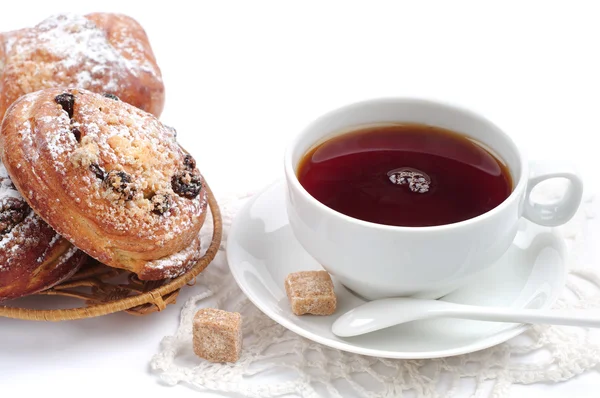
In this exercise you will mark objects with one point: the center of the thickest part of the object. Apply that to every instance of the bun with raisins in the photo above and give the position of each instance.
(108, 177)
(100, 52)
(33, 257)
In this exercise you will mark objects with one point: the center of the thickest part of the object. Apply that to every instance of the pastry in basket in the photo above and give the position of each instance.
(109, 177)
(104, 53)
(33, 256)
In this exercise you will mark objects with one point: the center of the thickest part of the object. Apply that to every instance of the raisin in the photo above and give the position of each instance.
(98, 171)
(67, 101)
(186, 184)
(77, 133)
(189, 162)
(121, 183)
(12, 212)
(161, 203)
(111, 96)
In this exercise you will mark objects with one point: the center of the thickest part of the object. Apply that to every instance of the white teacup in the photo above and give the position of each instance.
(378, 261)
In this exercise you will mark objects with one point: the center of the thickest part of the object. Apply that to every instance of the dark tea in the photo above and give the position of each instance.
(405, 175)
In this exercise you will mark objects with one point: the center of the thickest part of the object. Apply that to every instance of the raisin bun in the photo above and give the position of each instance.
(32, 256)
(109, 177)
(104, 53)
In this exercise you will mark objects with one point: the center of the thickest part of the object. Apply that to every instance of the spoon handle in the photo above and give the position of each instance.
(380, 314)
(585, 318)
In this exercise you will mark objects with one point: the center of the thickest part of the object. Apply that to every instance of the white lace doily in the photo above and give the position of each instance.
(308, 369)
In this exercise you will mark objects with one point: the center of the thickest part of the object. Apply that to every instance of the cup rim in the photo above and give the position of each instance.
(292, 178)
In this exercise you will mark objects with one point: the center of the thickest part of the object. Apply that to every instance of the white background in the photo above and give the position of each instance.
(243, 77)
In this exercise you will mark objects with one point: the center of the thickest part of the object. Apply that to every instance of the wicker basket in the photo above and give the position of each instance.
(106, 290)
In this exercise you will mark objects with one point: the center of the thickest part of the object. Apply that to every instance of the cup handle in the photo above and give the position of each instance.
(553, 214)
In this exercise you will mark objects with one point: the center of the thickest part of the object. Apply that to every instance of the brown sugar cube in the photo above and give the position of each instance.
(217, 335)
(311, 292)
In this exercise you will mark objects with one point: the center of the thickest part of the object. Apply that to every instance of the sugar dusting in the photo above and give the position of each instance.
(124, 138)
(70, 50)
(9, 41)
(66, 256)
(176, 264)
(7, 189)
(42, 257)
(24, 237)
(17, 242)
(115, 136)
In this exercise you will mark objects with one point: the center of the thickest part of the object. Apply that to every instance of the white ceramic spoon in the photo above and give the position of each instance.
(380, 314)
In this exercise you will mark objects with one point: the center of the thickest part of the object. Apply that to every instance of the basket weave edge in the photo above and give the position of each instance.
(154, 296)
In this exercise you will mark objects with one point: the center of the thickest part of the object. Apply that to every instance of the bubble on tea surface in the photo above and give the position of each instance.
(417, 180)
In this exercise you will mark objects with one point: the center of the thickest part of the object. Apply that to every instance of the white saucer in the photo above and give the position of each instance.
(262, 251)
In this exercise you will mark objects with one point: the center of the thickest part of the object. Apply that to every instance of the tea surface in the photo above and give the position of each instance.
(405, 175)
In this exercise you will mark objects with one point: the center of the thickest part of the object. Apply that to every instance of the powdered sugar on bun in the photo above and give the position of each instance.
(99, 52)
(107, 176)
(33, 256)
